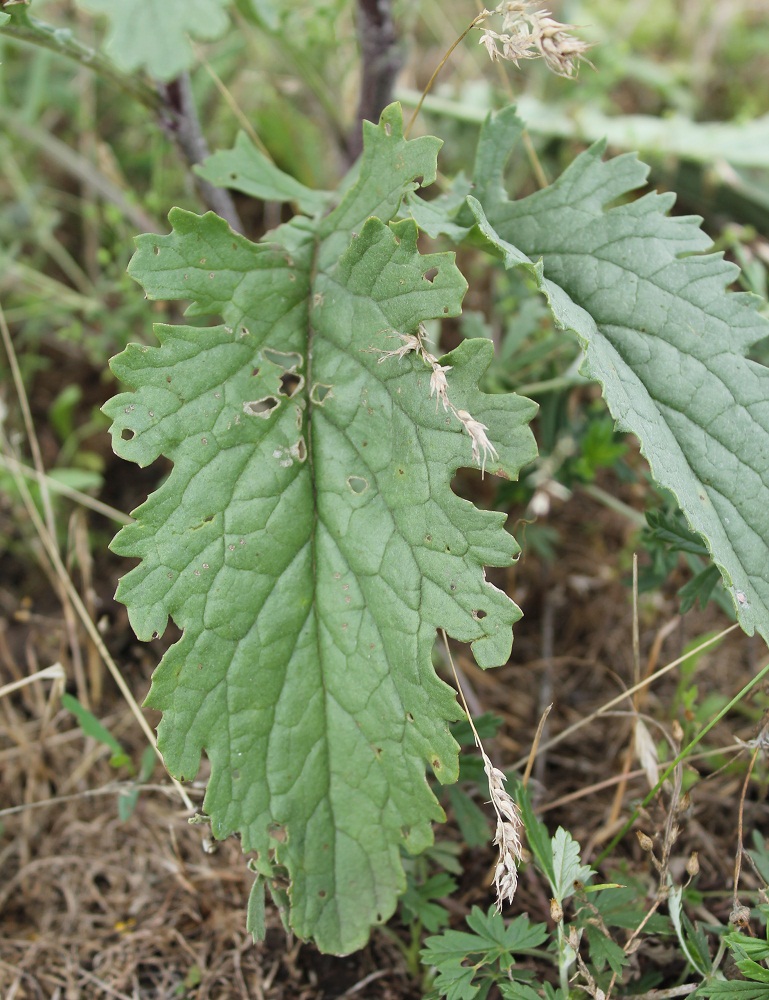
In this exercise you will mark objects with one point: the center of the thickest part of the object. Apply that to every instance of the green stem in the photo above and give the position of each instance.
(28, 29)
(635, 517)
(440, 66)
(413, 962)
(563, 964)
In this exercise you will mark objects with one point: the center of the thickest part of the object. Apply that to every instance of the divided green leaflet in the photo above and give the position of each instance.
(307, 541)
(567, 867)
(661, 334)
(734, 989)
(155, 34)
(245, 168)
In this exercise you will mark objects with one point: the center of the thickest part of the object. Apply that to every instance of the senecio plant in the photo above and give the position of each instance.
(308, 543)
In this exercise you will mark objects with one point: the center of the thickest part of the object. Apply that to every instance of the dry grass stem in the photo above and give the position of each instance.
(34, 445)
(113, 788)
(53, 673)
(740, 848)
(72, 604)
(535, 744)
(507, 837)
(569, 730)
(13, 465)
(91, 629)
(243, 119)
(477, 20)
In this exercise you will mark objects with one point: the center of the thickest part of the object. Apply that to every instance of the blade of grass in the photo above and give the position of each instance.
(13, 465)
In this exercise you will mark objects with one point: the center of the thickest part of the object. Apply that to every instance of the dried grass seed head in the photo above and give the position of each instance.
(508, 833)
(439, 387)
(482, 447)
(530, 33)
(411, 342)
(479, 438)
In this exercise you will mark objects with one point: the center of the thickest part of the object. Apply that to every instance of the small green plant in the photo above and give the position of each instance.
(497, 953)
(751, 956)
(128, 794)
(468, 963)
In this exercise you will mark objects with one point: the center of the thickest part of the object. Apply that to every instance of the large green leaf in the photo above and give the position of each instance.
(661, 334)
(307, 540)
(153, 34)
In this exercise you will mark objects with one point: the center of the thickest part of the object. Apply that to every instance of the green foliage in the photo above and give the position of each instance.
(569, 872)
(307, 541)
(751, 956)
(490, 951)
(418, 902)
(691, 938)
(622, 906)
(734, 989)
(245, 168)
(536, 834)
(661, 336)
(687, 706)
(466, 965)
(748, 954)
(599, 448)
(92, 727)
(760, 855)
(667, 535)
(153, 34)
